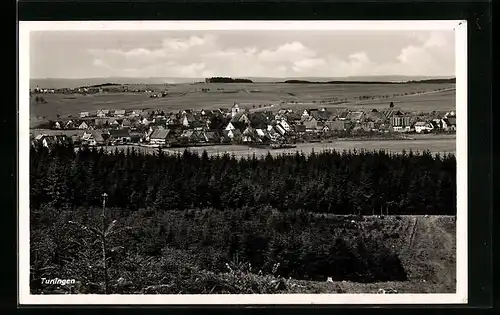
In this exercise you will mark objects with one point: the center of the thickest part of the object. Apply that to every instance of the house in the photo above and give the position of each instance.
(159, 136)
(305, 114)
(450, 114)
(401, 128)
(400, 120)
(320, 126)
(235, 125)
(367, 126)
(284, 124)
(187, 118)
(241, 117)
(321, 115)
(92, 138)
(211, 136)
(119, 113)
(273, 134)
(311, 124)
(280, 129)
(343, 114)
(102, 113)
(235, 110)
(145, 121)
(355, 117)
(76, 139)
(335, 125)
(83, 126)
(120, 136)
(115, 123)
(198, 125)
(151, 130)
(70, 125)
(375, 116)
(172, 119)
(292, 116)
(57, 125)
(84, 114)
(127, 123)
(188, 135)
(299, 129)
(100, 122)
(49, 141)
(250, 135)
(449, 123)
(388, 113)
(234, 135)
(423, 127)
(136, 113)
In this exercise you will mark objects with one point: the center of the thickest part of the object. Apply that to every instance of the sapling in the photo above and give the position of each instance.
(103, 236)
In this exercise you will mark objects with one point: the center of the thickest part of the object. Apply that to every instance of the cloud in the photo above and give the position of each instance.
(202, 56)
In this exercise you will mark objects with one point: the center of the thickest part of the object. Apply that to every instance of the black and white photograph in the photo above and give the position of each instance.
(243, 162)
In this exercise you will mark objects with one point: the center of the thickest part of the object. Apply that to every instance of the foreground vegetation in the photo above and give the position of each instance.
(198, 224)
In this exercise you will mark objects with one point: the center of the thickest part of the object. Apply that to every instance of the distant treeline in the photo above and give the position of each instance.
(104, 84)
(337, 82)
(327, 182)
(227, 80)
(370, 82)
(452, 80)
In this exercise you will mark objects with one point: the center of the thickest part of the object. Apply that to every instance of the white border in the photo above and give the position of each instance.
(460, 297)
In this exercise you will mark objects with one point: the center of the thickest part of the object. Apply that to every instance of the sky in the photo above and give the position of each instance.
(201, 54)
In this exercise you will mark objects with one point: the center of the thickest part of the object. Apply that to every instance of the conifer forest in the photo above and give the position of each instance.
(128, 222)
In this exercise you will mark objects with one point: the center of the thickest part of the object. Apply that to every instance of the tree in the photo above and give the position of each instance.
(391, 105)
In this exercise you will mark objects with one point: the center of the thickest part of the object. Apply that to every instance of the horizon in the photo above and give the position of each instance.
(243, 77)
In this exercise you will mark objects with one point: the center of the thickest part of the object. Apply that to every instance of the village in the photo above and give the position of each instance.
(238, 125)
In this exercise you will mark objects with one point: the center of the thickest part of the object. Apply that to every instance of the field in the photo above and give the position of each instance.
(440, 145)
(268, 95)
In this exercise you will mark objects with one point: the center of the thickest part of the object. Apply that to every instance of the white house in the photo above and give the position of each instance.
(235, 110)
(159, 136)
(229, 126)
(102, 113)
(423, 127)
(84, 114)
(83, 126)
(119, 113)
(285, 125)
(280, 130)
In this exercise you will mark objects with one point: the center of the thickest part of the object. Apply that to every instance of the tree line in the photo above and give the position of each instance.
(347, 182)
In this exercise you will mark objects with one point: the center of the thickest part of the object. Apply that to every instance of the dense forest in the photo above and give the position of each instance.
(227, 80)
(187, 223)
(325, 182)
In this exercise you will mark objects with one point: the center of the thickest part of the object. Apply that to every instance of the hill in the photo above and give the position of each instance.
(55, 83)
(418, 97)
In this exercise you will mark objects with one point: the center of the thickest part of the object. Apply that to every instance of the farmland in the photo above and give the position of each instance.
(182, 96)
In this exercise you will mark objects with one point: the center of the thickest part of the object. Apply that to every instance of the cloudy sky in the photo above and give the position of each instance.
(200, 54)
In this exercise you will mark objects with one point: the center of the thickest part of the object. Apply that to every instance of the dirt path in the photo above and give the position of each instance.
(431, 254)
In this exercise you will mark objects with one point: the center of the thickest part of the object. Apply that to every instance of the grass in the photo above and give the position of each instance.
(183, 96)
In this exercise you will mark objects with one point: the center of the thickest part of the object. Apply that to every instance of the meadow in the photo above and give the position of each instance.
(277, 95)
